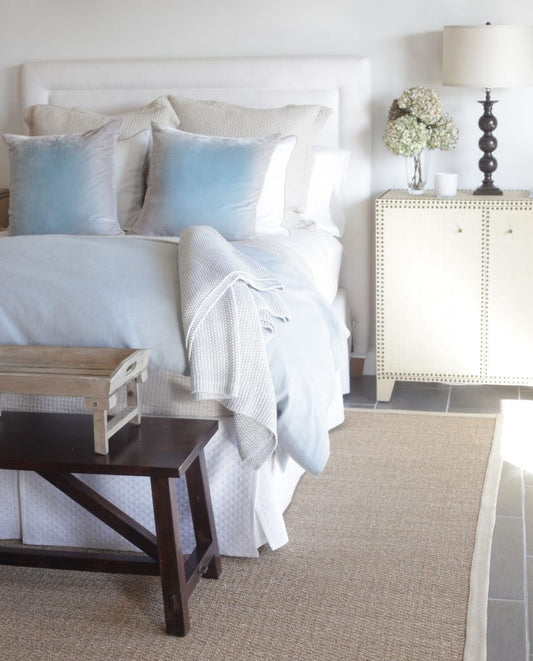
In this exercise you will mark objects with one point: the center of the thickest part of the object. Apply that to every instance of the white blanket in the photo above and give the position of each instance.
(228, 303)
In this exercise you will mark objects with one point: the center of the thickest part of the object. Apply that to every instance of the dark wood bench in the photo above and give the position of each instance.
(57, 445)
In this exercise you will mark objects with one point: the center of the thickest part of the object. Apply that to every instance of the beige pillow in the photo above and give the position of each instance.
(233, 121)
(49, 120)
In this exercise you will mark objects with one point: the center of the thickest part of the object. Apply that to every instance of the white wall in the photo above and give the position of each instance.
(401, 39)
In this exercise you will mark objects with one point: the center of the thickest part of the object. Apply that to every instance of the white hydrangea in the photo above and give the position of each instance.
(443, 134)
(416, 121)
(422, 103)
(405, 136)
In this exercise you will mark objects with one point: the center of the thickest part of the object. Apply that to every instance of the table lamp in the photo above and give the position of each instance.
(487, 56)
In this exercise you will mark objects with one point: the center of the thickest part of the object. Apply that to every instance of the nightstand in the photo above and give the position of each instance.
(454, 286)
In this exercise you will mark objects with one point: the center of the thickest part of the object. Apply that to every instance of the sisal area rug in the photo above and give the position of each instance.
(383, 563)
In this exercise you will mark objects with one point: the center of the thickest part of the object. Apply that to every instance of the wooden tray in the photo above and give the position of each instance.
(95, 373)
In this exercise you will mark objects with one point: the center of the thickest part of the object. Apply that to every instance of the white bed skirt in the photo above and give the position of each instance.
(248, 505)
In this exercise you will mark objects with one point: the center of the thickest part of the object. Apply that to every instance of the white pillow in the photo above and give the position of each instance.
(324, 206)
(229, 120)
(271, 204)
(131, 157)
(49, 119)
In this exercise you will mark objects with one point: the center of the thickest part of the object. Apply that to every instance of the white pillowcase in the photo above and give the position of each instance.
(229, 120)
(324, 206)
(131, 158)
(271, 204)
(49, 119)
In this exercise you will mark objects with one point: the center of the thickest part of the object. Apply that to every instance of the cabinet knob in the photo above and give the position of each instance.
(509, 231)
(459, 230)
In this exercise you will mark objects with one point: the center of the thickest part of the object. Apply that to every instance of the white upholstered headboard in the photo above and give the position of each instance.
(340, 82)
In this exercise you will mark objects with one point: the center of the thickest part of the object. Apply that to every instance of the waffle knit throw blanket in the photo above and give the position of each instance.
(228, 303)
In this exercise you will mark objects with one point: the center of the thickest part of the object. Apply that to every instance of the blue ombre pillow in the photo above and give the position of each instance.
(64, 184)
(203, 180)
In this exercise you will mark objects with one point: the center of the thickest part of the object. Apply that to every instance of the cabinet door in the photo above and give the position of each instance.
(510, 296)
(429, 293)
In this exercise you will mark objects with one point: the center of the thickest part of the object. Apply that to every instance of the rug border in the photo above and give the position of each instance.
(445, 414)
(476, 630)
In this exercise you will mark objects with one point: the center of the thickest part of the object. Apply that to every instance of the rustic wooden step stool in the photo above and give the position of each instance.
(95, 373)
(55, 445)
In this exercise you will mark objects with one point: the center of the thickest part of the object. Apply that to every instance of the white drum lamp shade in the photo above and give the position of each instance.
(487, 56)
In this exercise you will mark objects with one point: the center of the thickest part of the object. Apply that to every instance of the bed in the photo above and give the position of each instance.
(248, 498)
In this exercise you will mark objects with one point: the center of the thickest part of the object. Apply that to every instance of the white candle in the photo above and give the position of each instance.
(445, 184)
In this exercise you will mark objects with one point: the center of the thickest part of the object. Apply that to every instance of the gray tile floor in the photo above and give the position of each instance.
(510, 627)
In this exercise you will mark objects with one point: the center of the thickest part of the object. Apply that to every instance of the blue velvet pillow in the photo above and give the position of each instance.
(64, 184)
(203, 180)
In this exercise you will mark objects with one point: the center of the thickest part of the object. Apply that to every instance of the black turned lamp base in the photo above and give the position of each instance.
(487, 143)
(488, 190)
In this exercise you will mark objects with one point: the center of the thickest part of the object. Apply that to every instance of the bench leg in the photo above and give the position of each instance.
(171, 562)
(202, 512)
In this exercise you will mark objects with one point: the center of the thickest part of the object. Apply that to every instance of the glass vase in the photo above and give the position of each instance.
(416, 171)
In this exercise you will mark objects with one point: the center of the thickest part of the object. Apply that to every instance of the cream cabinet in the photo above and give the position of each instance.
(454, 289)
